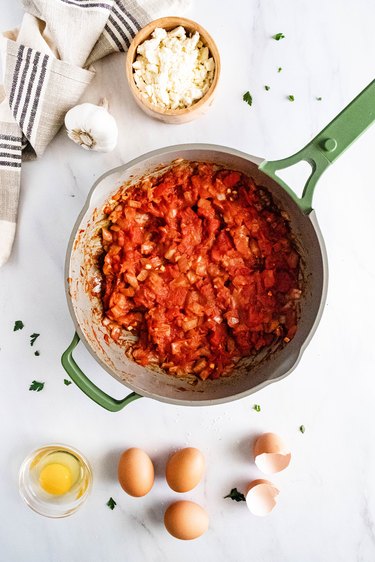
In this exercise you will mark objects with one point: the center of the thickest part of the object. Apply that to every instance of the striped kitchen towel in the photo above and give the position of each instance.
(46, 68)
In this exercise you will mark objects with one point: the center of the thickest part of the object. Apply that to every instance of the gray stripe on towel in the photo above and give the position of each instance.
(121, 6)
(4, 146)
(10, 164)
(10, 138)
(21, 82)
(122, 37)
(15, 74)
(10, 155)
(122, 17)
(37, 96)
(89, 5)
(29, 88)
(113, 36)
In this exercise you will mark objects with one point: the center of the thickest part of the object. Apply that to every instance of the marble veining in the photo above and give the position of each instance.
(326, 509)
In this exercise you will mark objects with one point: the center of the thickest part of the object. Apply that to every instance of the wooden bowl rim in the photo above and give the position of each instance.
(169, 23)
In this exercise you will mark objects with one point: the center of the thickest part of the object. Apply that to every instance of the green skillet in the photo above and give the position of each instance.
(251, 374)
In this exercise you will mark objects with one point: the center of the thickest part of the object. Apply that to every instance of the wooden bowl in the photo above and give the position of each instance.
(193, 111)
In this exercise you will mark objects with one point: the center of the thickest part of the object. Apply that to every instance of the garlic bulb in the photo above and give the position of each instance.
(92, 126)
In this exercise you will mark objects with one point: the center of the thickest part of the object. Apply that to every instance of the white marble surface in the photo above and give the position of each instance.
(326, 510)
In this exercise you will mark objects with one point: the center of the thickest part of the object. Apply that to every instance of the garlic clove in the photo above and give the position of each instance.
(92, 127)
(82, 137)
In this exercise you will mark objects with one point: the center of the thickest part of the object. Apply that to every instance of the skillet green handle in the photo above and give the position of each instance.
(88, 387)
(328, 145)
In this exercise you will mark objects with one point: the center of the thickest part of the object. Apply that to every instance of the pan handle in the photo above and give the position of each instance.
(88, 387)
(328, 145)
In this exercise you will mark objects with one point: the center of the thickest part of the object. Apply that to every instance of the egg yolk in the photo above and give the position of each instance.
(55, 479)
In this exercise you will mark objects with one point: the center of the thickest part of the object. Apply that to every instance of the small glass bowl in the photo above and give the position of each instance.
(47, 504)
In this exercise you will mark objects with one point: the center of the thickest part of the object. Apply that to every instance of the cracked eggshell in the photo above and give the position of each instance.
(261, 497)
(271, 455)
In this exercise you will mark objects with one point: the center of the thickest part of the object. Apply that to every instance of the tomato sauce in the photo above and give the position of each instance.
(200, 265)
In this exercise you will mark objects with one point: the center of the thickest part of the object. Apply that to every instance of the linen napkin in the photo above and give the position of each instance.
(47, 64)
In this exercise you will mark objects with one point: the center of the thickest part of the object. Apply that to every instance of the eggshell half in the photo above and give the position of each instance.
(185, 469)
(186, 520)
(261, 497)
(136, 472)
(271, 455)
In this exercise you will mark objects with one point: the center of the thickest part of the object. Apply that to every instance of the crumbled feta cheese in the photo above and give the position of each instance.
(172, 69)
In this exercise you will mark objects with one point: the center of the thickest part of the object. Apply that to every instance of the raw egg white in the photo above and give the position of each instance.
(136, 472)
(186, 520)
(185, 469)
(271, 455)
(261, 497)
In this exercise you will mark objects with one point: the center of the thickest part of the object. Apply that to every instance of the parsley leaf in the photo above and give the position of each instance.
(319, 99)
(279, 69)
(278, 36)
(266, 88)
(33, 338)
(111, 503)
(302, 428)
(18, 325)
(235, 495)
(37, 353)
(291, 98)
(256, 407)
(247, 98)
(67, 382)
(36, 385)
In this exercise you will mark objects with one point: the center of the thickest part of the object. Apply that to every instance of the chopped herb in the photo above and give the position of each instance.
(266, 88)
(302, 428)
(291, 98)
(111, 503)
(37, 353)
(279, 69)
(247, 98)
(67, 382)
(18, 325)
(319, 99)
(36, 385)
(235, 495)
(256, 407)
(33, 338)
(278, 36)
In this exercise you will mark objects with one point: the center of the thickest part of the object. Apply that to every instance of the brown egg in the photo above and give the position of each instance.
(185, 469)
(261, 497)
(186, 520)
(271, 454)
(136, 472)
